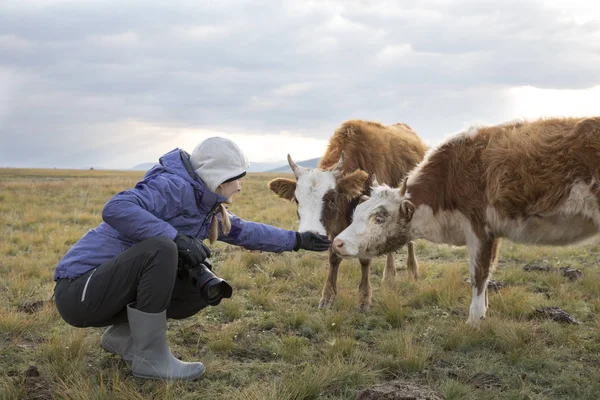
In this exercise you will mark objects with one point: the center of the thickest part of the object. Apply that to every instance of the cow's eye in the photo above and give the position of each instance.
(379, 219)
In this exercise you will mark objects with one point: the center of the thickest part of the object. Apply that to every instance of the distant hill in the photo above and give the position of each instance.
(312, 163)
(264, 166)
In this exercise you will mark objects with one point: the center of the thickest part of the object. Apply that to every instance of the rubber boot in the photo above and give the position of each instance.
(152, 358)
(117, 340)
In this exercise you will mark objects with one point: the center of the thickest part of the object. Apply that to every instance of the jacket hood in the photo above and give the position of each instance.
(177, 162)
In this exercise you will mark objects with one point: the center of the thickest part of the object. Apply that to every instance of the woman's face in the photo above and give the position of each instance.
(228, 189)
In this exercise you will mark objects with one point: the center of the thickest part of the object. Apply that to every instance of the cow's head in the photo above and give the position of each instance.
(380, 225)
(324, 197)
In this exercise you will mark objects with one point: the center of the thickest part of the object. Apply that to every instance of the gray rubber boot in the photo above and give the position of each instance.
(152, 357)
(117, 340)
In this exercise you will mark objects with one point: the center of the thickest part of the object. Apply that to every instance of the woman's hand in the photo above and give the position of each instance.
(191, 250)
(311, 241)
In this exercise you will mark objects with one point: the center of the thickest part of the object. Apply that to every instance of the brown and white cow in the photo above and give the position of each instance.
(530, 182)
(326, 196)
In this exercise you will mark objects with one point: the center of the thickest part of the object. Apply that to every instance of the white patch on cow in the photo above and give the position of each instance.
(441, 227)
(357, 232)
(582, 201)
(472, 131)
(452, 227)
(311, 186)
(478, 307)
(577, 219)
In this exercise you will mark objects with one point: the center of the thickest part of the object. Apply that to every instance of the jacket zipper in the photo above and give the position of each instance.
(210, 214)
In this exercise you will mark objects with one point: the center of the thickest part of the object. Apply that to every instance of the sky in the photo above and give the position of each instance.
(113, 84)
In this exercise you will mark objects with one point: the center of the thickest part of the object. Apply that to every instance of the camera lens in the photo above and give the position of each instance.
(212, 288)
(212, 291)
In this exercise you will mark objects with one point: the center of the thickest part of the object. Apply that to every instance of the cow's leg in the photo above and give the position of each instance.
(330, 288)
(493, 263)
(481, 254)
(411, 262)
(364, 289)
(389, 273)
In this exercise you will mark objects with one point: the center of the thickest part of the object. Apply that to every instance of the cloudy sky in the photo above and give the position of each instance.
(116, 83)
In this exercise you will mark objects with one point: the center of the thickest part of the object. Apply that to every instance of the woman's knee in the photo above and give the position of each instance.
(165, 254)
(164, 245)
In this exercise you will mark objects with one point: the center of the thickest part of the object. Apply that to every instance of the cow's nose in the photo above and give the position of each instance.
(338, 245)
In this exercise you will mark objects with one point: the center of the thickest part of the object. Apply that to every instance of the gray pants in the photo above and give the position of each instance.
(145, 273)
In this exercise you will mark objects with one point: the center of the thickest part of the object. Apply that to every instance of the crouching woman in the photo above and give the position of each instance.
(123, 274)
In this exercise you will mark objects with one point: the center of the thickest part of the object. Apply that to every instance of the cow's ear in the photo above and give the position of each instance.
(351, 185)
(407, 209)
(284, 188)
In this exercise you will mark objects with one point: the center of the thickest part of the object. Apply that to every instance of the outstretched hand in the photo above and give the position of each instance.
(311, 241)
(191, 250)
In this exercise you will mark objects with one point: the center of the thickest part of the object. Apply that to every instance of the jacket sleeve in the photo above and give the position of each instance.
(137, 213)
(257, 236)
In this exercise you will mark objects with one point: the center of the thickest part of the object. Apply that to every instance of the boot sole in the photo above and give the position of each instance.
(190, 378)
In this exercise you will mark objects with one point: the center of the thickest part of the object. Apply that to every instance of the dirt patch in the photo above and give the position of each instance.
(572, 273)
(485, 380)
(32, 307)
(537, 267)
(397, 390)
(32, 372)
(33, 384)
(495, 286)
(480, 380)
(556, 314)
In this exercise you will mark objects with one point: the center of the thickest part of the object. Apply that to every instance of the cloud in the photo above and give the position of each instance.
(292, 89)
(114, 83)
(531, 102)
(10, 82)
(201, 32)
(11, 43)
(125, 39)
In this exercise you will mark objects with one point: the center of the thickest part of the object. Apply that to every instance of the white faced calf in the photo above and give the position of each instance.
(325, 200)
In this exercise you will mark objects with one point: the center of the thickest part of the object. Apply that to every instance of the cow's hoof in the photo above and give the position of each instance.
(388, 281)
(325, 303)
(364, 307)
(475, 322)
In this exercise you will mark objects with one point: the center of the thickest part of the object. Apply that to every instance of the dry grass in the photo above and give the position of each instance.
(269, 341)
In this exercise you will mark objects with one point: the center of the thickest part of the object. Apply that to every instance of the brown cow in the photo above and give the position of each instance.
(530, 182)
(326, 196)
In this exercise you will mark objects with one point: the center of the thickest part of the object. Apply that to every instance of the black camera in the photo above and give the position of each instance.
(212, 288)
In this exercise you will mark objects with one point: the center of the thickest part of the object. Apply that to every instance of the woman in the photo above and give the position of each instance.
(123, 273)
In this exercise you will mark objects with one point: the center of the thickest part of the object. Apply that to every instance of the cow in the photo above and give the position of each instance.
(327, 195)
(532, 182)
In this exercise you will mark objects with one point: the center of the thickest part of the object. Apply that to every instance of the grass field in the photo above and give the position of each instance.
(270, 341)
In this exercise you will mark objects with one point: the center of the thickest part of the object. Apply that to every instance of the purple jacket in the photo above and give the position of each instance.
(170, 199)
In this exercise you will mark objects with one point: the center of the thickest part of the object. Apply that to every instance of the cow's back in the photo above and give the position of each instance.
(531, 168)
(517, 169)
(388, 152)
